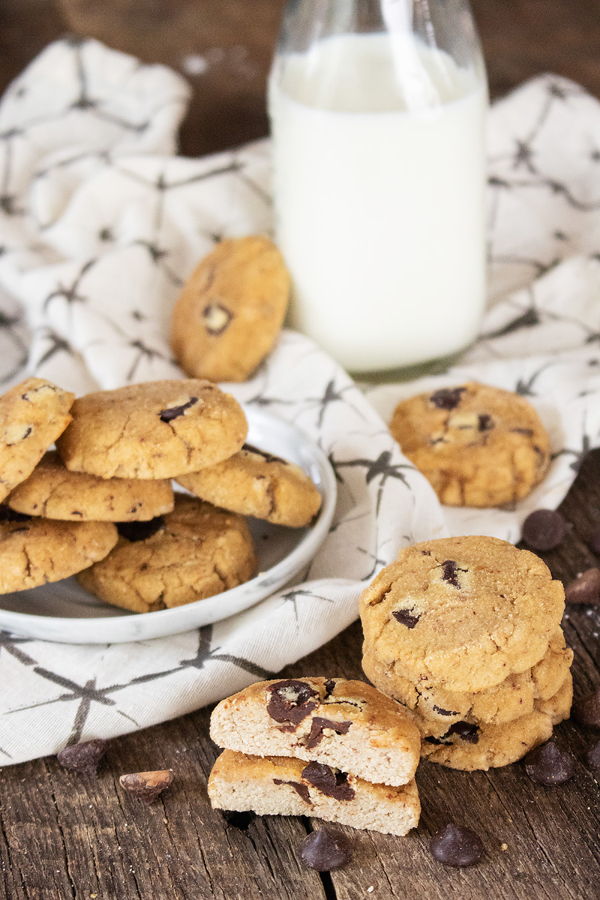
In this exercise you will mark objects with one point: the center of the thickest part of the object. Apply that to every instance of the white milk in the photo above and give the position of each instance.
(379, 199)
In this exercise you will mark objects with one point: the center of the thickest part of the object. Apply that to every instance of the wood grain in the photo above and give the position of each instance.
(67, 837)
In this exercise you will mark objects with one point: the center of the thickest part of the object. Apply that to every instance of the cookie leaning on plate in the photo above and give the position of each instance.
(231, 310)
(55, 493)
(258, 484)
(158, 429)
(32, 416)
(477, 445)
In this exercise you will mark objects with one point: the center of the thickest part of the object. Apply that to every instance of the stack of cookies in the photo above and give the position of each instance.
(330, 748)
(102, 505)
(465, 632)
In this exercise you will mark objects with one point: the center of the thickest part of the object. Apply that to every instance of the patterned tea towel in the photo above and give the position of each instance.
(99, 225)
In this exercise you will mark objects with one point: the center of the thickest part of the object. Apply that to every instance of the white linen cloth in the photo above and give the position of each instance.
(99, 226)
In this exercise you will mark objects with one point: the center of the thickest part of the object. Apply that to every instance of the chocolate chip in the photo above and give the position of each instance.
(291, 701)
(443, 712)
(216, 318)
(238, 819)
(140, 531)
(450, 572)
(300, 789)
(447, 398)
(594, 542)
(405, 617)
(457, 846)
(268, 457)
(549, 764)
(587, 710)
(327, 781)
(83, 758)
(329, 688)
(436, 741)
(167, 415)
(10, 515)
(318, 726)
(585, 589)
(466, 731)
(325, 850)
(593, 756)
(544, 529)
(147, 786)
(485, 422)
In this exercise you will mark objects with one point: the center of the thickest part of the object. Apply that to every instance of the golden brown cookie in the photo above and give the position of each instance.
(254, 483)
(55, 493)
(38, 551)
(158, 429)
(32, 416)
(280, 786)
(477, 445)
(192, 553)
(462, 612)
(345, 724)
(231, 310)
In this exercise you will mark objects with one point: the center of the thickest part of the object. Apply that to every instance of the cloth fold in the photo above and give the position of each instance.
(99, 226)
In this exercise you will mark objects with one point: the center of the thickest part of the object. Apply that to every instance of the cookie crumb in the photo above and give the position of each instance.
(503, 847)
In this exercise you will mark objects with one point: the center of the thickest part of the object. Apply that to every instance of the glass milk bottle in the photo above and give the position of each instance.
(377, 111)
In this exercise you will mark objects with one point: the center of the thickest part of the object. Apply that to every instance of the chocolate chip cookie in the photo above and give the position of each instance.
(231, 310)
(159, 429)
(55, 493)
(477, 445)
(32, 416)
(463, 613)
(192, 553)
(254, 483)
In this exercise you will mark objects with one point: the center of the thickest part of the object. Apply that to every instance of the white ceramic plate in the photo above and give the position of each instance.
(64, 612)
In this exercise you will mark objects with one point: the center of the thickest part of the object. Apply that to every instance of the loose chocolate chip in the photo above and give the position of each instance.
(456, 845)
(544, 529)
(268, 457)
(216, 318)
(239, 820)
(329, 688)
(466, 731)
(450, 571)
(325, 850)
(585, 589)
(318, 726)
(291, 701)
(485, 422)
(10, 515)
(549, 764)
(83, 758)
(405, 617)
(447, 398)
(140, 531)
(147, 786)
(593, 756)
(300, 789)
(443, 712)
(167, 415)
(594, 542)
(327, 781)
(587, 710)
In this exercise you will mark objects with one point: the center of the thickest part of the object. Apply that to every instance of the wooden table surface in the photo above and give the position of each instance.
(67, 837)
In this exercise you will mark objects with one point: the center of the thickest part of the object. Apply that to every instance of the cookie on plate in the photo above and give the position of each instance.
(345, 724)
(276, 785)
(32, 416)
(194, 552)
(231, 310)
(38, 551)
(477, 445)
(255, 483)
(462, 612)
(158, 429)
(55, 493)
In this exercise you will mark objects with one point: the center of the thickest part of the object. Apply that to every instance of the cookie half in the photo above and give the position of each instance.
(279, 786)
(231, 310)
(477, 445)
(158, 429)
(55, 493)
(345, 724)
(32, 416)
(254, 483)
(194, 552)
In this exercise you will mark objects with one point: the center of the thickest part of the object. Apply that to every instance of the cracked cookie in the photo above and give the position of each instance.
(463, 613)
(276, 785)
(32, 416)
(194, 552)
(55, 493)
(477, 445)
(158, 429)
(38, 551)
(254, 483)
(231, 310)
(345, 724)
